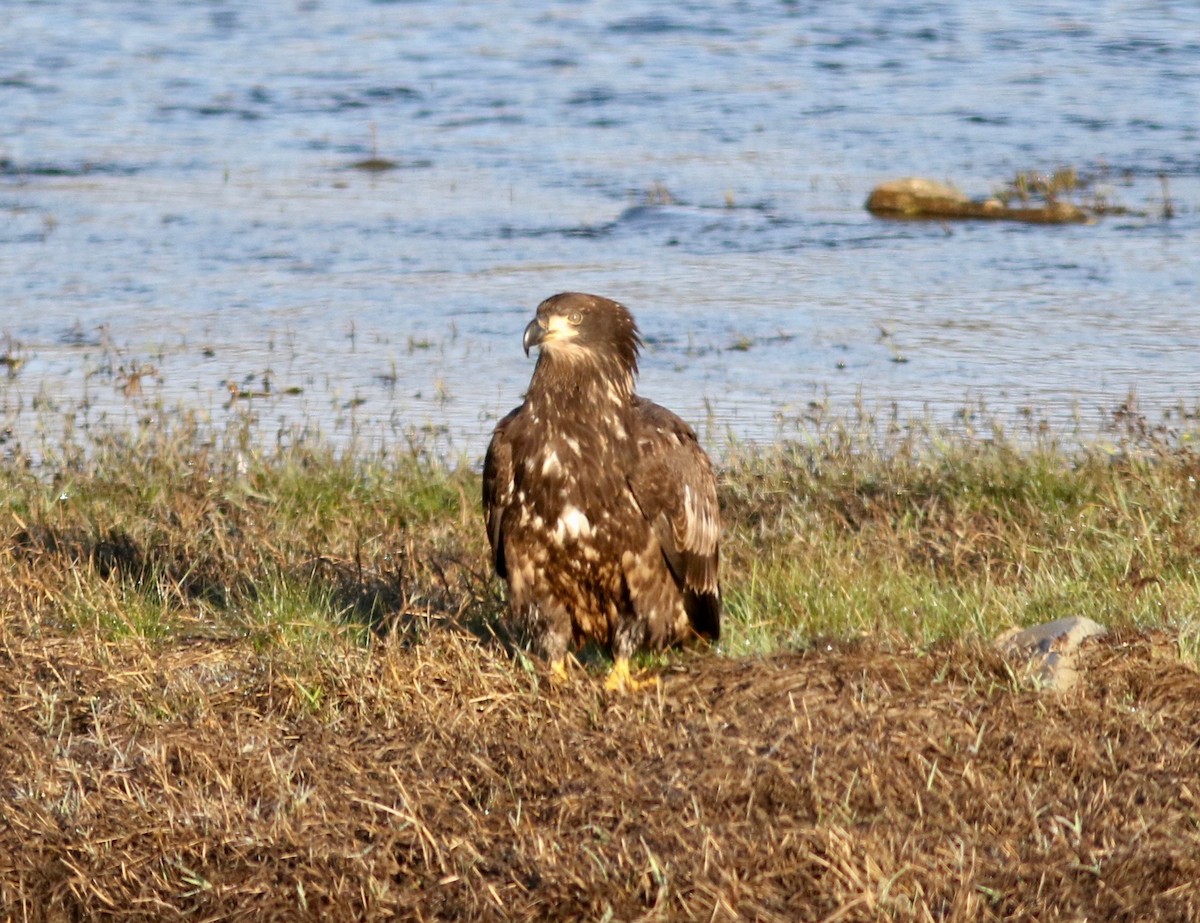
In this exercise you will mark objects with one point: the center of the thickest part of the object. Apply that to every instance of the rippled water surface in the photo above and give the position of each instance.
(184, 204)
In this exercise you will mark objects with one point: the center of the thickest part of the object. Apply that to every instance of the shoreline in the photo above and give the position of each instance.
(253, 683)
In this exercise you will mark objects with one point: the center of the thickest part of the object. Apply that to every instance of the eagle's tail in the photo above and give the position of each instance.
(704, 612)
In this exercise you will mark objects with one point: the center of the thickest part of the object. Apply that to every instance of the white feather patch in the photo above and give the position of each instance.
(572, 523)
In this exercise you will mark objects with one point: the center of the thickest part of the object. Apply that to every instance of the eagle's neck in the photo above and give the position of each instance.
(561, 387)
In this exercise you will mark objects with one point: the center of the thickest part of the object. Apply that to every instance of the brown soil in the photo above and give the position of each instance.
(437, 782)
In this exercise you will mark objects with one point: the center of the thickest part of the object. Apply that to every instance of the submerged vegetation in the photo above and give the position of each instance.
(250, 683)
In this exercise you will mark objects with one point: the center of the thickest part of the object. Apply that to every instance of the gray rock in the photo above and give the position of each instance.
(1049, 649)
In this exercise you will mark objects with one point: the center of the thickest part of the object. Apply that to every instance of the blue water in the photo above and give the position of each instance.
(180, 207)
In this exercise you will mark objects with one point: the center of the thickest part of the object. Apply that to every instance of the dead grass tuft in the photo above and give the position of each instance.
(440, 782)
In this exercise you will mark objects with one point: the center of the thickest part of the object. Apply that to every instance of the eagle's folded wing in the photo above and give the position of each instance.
(673, 482)
(498, 489)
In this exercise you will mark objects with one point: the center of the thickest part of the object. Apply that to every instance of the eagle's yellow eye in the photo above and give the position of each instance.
(575, 318)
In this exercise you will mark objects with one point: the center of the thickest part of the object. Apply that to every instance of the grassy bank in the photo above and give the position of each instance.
(184, 531)
(251, 684)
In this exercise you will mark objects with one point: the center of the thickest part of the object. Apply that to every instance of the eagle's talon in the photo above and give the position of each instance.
(620, 679)
(558, 672)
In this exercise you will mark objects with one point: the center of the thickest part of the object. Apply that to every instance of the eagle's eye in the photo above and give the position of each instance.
(575, 318)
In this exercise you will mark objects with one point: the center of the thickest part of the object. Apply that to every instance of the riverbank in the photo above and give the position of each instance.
(244, 681)
(861, 528)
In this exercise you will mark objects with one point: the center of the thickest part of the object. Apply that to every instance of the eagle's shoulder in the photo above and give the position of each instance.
(674, 484)
(653, 421)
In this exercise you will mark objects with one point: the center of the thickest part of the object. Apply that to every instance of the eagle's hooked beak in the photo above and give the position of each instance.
(534, 334)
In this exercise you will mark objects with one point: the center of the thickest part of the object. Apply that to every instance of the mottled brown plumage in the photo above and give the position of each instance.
(601, 506)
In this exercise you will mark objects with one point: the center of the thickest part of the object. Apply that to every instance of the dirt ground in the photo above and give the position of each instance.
(442, 781)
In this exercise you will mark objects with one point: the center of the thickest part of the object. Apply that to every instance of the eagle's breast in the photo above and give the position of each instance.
(573, 520)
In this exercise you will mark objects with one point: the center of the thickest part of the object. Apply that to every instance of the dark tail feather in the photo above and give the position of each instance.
(704, 612)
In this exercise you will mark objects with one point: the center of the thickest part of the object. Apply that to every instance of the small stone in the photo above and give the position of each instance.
(1050, 648)
(913, 196)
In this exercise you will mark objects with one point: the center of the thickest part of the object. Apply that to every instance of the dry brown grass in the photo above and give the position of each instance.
(439, 782)
(252, 685)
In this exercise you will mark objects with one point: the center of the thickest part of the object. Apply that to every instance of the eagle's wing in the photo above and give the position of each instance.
(498, 488)
(673, 482)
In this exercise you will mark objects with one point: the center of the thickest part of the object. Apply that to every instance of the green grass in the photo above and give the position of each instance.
(915, 535)
(947, 538)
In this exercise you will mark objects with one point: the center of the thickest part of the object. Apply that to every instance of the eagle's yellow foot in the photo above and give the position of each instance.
(619, 678)
(558, 672)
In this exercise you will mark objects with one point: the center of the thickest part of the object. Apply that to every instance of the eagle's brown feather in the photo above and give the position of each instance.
(601, 506)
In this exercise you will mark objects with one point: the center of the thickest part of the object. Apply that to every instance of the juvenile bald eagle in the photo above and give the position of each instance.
(601, 506)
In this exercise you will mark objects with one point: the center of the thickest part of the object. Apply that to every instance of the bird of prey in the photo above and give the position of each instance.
(600, 505)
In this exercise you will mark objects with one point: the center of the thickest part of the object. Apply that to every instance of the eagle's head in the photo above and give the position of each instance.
(573, 328)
